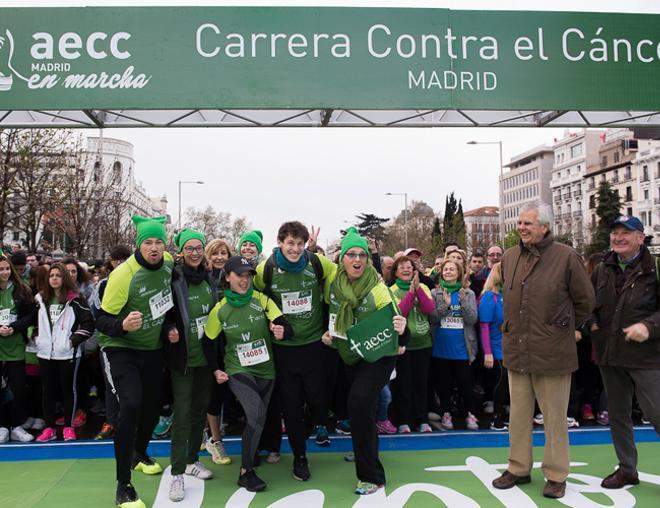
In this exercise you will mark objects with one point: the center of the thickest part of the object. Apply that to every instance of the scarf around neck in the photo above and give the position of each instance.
(237, 299)
(287, 265)
(350, 294)
(452, 287)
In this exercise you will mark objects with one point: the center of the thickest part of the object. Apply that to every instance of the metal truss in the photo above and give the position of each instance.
(92, 118)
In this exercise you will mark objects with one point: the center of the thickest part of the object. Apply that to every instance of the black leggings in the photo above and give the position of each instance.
(135, 378)
(58, 379)
(409, 387)
(14, 371)
(253, 393)
(499, 380)
(448, 373)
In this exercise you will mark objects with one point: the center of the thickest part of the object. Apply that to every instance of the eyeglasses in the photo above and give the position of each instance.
(494, 255)
(190, 250)
(356, 255)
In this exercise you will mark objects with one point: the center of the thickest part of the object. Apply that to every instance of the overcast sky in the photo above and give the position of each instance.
(324, 177)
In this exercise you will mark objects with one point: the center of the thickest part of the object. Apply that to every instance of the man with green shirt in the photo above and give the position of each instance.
(136, 299)
(294, 278)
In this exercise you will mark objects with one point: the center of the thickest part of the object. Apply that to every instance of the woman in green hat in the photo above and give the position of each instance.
(194, 295)
(250, 245)
(355, 294)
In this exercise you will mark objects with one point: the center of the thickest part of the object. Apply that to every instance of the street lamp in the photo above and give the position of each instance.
(501, 186)
(180, 182)
(405, 213)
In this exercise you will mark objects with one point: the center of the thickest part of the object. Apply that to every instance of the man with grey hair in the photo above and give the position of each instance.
(625, 332)
(547, 297)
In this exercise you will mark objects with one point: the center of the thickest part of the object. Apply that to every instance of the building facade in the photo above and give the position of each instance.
(647, 165)
(482, 228)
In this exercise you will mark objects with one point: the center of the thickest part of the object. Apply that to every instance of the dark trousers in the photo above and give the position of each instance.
(135, 377)
(253, 393)
(191, 390)
(336, 385)
(271, 437)
(409, 387)
(111, 403)
(14, 371)
(621, 384)
(448, 373)
(301, 379)
(366, 382)
(58, 381)
(34, 398)
(498, 379)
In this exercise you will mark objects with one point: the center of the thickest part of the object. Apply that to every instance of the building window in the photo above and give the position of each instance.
(592, 201)
(616, 157)
(629, 211)
(603, 161)
(645, 173)
(629, 194)
(628, 173)
(576, 150)
(643, 217)
(646, 194)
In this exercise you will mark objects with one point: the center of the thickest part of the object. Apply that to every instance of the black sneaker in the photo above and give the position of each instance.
(126, 494)
(301, 469)
(251, 482)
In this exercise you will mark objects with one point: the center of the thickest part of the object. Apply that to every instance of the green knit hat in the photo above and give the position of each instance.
(353, 239)
(149, 227)
(188, 234)
(254, 236)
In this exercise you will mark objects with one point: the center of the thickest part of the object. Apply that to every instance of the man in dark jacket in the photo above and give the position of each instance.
(625, 332)
(547, 296)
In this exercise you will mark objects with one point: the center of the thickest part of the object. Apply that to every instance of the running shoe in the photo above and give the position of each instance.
(349, 457)
(4, 434)
(39, 424)
(587, 413)
(603, 418)
(162, 428)
(199, 470)
(107, 432)
(60, 421)
(206, 435)
(48, 434)
(19, 434)
(645, 421)
(126, 497)
(447, 422)
(538, 419)
(301, 469)
(366, 488)
(424, 427)
(80, 418)
(572, 422)
(177, 488)
(217, 452)
(69, 434)
(471, 422)
(404, 429)
(250, 481)
(489, 407)
(273, 457)
(322, 436)
(498, 423)
(146, 464)
(343, 427)
(385, 427)
(29, 422)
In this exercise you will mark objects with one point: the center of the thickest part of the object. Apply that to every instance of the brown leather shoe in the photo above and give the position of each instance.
(507, 480)
(619, 479)
(554, 490)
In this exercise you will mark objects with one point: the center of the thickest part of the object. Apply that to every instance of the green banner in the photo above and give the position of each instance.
(345, 58)
(372, 338)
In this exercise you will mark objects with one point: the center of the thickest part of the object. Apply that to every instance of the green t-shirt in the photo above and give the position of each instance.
(299, 297)
(132, 287)
(418, 322)
(55, 308)
(12, 348)
(376, 299)
(200, 300)
(247, 335)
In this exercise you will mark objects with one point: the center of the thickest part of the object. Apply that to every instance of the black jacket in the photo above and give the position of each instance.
(636, 301)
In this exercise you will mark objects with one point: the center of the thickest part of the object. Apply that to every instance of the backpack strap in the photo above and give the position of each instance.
(318, 268)
(269, 266)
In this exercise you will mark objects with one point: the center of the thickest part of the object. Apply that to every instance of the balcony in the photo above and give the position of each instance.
(591, 186)
(577, 215)
(615, 179)
(577, 194)
(558, 198)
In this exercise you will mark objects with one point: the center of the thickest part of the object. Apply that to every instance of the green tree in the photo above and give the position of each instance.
(607, 210)
(511, 238)
(436, 238)
(453, 224)
(371, 225)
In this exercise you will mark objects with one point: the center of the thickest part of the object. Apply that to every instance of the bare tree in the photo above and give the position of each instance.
(216, 224)
(8, 172)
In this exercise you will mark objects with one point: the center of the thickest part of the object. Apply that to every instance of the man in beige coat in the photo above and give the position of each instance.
(547, 296)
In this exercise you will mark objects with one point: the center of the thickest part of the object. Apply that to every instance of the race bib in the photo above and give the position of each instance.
(296, 302)
(331, 327)
(55, 311)
(252, 353)
(452, 323)
(7, 317)
(200, 322)
(160, 303)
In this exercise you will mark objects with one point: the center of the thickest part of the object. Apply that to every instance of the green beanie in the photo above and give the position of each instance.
(254, 236)
(149, 227)
(188, 234)
(353, 239)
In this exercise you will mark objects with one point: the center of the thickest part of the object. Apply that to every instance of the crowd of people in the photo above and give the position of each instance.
(352, 341)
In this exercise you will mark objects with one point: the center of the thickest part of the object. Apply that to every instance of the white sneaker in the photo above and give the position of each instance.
(572, 422)
(434, 417)
(4, 434)
(177, 489)
(199, 470)
(28, 423)
(447, 423)
(19, 434)
(471, 422)
(39, 424)
(489, 407)
(538, 419)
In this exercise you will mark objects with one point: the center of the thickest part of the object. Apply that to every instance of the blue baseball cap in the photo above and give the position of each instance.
(629, 222)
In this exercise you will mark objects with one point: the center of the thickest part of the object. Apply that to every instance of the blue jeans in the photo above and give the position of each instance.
(384, 400)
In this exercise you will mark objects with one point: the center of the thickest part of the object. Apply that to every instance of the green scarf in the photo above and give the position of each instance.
(237, 299)
(452, 287)
(350, 295)
(403, 284)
